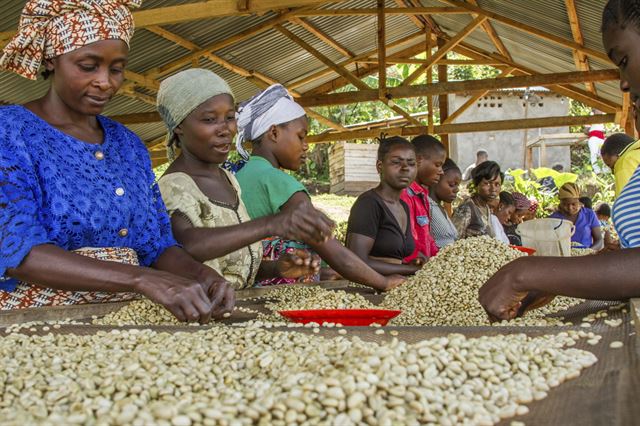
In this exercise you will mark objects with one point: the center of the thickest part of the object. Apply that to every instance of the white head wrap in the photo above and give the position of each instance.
(270, 107)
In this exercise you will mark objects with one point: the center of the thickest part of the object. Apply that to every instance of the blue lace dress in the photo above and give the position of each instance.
(56, 189)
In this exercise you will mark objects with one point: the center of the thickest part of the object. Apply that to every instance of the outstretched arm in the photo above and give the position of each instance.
(606, 276)
(361, 245)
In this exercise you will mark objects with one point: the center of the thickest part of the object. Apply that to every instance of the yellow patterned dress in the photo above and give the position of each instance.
(182, 195)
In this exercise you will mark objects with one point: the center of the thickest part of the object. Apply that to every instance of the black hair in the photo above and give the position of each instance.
(427, 145)
(586, 201)
(450, 166)
(386, 144)
(507, 199)
(604, 210)
(46, 73)
(482, 153)
(615, 144)
(488, 170)
(621, 13)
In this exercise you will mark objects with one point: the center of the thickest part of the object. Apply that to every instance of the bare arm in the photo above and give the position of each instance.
(342, 260)
(54, 267)
(211, 243)
(598, 241)
(606, 276)
(361, 245)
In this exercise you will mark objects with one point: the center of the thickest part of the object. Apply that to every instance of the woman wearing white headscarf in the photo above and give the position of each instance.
(81, 219)
(276, 126)
(208, 216)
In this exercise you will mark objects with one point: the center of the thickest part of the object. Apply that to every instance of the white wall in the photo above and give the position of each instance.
(506, 147)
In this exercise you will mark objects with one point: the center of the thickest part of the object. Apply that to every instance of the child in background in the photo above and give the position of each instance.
(430, 156)
(277, 127)
(446, 190)
(622, 155)
(603, 212)
(522, 206)
(501, 217)
(586, 202)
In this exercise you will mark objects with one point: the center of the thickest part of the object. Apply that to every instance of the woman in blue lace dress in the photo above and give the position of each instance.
(81, 218)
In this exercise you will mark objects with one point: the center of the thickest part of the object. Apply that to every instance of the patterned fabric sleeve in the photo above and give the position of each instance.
(179, 198)
(162, 235)
(20, 226)
(462, 218)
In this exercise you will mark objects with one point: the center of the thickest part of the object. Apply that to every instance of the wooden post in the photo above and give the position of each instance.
(429, 80)
(382, 55)
(443, 99)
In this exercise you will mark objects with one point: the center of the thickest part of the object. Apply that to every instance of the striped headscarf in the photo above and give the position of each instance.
(270, 107)
(50, 28)
(522, 202)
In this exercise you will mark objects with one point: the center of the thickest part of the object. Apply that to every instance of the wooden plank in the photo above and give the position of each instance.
(382, 52)
(451, 118)
(387, 11)
(323, 36)
(493, 35)
(444, 49)
(529, 123)
(58, 313)
(460, 86)
(580, 59)
(443, 99)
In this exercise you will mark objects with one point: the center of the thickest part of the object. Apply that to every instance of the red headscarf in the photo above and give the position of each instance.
(50, 28)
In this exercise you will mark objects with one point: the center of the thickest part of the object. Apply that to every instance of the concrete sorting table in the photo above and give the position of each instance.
(606, 393)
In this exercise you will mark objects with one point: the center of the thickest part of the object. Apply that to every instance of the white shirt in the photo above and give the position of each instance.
(498, 230)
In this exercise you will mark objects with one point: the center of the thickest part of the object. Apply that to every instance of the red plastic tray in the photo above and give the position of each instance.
(530, 251)
(342, 316)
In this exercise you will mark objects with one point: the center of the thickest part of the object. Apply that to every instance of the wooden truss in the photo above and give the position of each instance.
(427, 47)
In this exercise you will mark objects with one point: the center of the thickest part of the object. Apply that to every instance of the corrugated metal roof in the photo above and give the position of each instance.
(277, 57)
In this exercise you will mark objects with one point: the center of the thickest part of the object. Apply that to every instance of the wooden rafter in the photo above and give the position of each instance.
(382, 52)
(323, 36)
(580, 59)
(484, 126)
(446, 48)
(529, 29)
(568, 90)
(493, 35)
(429, 80)
(387, 11)
(323, 73)
(440, 62)
(457, 113)
(343, 72)
(460, 86)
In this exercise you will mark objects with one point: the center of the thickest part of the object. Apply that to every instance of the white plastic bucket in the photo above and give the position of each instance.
(550, 237)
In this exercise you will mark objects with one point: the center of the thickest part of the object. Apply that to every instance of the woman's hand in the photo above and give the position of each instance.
(419, 261)
(303, 222)
(187, 299)
(499, 297)
(298, 263)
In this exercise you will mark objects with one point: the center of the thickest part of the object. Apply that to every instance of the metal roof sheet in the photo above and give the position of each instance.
(277, 57)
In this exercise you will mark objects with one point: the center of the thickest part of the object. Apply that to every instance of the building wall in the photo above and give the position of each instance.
(507, 147)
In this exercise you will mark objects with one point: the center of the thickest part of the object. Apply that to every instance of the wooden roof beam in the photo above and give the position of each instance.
(440, 62)
(387, 11)
(485, 126)
(529, 29)
(460, 86)
(493, 36)
(580, 59)
(323, 36)
(568, 90)
(505, 73)
(323, 73)
(446, 48)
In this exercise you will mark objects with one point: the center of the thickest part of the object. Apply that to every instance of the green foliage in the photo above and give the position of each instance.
(159, 171)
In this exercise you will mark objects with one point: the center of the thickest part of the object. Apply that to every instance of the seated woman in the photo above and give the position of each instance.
(522, 207)
(501, 217)
(472, 218)
(379, 229)
(446, 190)
(588, 233)
(208, 216)
(82, 218)
(277, 127)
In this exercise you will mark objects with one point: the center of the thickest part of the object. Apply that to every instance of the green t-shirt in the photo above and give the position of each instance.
(265, 189)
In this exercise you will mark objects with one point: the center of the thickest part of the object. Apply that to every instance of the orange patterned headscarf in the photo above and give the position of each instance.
(50, 28)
